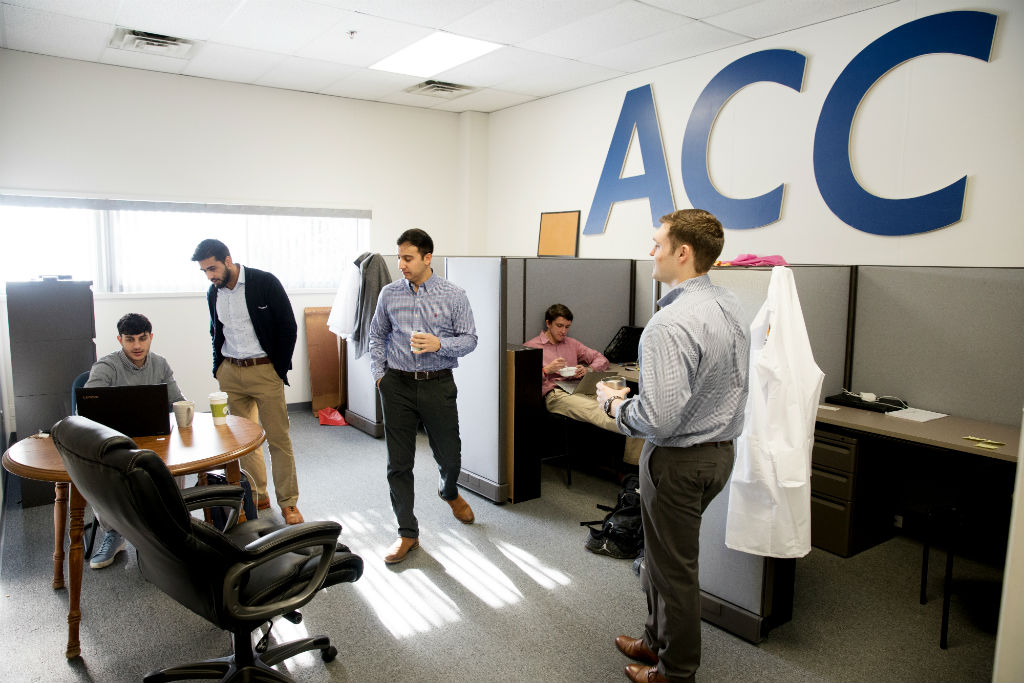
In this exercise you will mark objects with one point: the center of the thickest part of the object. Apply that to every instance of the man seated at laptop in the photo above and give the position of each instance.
(562, 351)
(132, 365)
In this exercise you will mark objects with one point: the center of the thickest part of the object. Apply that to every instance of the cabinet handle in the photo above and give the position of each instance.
(828, 503)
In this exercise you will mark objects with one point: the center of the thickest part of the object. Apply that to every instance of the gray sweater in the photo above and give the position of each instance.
(115, 370)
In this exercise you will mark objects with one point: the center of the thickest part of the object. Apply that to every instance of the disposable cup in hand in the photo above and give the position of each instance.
(183, 413)
(412, 344)
(219, 407)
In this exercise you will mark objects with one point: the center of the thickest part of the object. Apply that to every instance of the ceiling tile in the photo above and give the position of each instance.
(309, 75)
(514, 21)
(374, 40)
(770, 17)
(671, 46)
(486, 101)
(282, 26)
(618, 25)
(429, 13)
(96, 10)
(410, 100)
(698, 9)
(544, 75)
(366, 84)
(195, 19)
(230, 63)
(141, 60)
(55, 34)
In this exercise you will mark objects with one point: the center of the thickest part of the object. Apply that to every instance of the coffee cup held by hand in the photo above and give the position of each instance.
(183, 413)
(219, 407)
(567, 371)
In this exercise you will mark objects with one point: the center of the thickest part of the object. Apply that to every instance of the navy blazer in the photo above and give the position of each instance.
(272, 319)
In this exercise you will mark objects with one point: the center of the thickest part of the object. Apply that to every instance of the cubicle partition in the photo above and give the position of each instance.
(743, 593)
(942, 339)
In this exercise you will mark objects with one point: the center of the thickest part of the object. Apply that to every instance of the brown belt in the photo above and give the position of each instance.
(248, 362)
(716, 444)
(423, 374)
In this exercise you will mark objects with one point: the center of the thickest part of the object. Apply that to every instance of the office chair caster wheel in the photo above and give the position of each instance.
(329, 653)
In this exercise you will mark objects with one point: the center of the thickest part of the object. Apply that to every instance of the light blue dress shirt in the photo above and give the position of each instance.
(693, 369)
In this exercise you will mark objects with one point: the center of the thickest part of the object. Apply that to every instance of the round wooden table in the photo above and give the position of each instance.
(202, 447)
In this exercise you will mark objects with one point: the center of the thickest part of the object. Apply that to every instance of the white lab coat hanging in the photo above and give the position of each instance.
(770, 490)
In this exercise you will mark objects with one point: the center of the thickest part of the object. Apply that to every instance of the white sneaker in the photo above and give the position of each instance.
(112, 544)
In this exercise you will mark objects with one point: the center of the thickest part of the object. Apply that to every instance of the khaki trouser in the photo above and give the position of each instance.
(256, 392)
(586, 409)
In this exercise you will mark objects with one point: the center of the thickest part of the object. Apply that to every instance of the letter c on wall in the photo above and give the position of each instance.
(962, 33)
(784, 67)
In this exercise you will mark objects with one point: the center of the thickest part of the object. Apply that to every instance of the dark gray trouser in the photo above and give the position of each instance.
(676, 486)
(406, 402)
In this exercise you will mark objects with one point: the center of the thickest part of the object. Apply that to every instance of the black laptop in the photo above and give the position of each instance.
(132, 410)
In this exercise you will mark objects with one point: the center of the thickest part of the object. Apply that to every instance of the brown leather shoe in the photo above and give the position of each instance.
(636, 648)
(292, 515)
(263, 503)
(400, 549)
(641, 673)
(461, 510)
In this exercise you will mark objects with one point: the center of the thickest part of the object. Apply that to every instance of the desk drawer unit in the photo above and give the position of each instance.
(848, 510)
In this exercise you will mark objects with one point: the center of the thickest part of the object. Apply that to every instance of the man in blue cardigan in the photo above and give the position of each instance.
(254, 332)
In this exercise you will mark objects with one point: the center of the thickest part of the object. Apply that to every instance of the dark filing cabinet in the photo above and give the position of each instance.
(52, 328)
(850, 504)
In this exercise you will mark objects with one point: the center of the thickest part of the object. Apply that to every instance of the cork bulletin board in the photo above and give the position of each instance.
(559, 234)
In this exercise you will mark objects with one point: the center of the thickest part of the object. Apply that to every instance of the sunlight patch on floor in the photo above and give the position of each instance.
(545, 576)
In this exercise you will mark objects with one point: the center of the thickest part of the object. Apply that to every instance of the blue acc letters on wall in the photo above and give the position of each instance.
(963, 33)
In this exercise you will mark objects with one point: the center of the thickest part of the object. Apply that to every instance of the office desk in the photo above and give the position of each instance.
(865, 464)
(202, 447)
(944, 432)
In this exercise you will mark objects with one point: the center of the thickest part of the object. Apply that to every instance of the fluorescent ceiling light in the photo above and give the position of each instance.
(436, 53)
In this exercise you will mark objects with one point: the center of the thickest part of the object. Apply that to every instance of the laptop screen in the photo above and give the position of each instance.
(132, 410)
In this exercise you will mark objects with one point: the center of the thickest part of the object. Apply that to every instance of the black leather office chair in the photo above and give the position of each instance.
(89, 531)
(238, 579)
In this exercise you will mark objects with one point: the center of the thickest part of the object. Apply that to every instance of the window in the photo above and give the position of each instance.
(147, 247)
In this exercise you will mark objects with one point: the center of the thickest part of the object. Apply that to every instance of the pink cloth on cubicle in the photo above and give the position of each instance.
(755, 260)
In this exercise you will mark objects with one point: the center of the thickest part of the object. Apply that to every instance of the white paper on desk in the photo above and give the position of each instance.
(915, 414)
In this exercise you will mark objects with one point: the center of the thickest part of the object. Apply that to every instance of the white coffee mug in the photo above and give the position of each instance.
(183, 413)
(219, 407)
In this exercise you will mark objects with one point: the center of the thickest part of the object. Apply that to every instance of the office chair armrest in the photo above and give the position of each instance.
(199, 497)
(286, 540)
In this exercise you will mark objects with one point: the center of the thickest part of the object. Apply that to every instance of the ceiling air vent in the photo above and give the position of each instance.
(445, 91)
(151, 43)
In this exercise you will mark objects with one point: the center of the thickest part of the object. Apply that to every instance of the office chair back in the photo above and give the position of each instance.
(183, 556)
(77, 383)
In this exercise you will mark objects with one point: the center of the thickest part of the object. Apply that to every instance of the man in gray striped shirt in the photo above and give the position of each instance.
(133, 364)
(693, 389)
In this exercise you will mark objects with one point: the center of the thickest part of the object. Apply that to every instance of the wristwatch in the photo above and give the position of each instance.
(608, 405)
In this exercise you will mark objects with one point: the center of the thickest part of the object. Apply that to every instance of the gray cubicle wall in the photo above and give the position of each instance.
(597, 291)
(741, 579)
(480, 376)
(942, 339)
(824, 293)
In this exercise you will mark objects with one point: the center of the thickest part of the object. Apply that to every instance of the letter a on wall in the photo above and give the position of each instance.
(638, 115)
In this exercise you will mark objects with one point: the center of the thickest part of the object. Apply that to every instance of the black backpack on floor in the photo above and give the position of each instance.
(621, 534)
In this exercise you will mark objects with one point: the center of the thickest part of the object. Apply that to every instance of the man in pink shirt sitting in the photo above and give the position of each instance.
(562, 351)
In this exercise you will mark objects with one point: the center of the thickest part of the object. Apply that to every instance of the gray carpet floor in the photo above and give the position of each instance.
(513, 597)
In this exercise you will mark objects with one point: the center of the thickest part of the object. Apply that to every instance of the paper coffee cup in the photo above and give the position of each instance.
(219, 407)
(183, 413)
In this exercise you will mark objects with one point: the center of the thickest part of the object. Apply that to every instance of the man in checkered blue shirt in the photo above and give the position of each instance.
(693, 390)
(422, 326)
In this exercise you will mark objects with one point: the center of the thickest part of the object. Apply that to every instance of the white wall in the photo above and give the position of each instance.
(923, 125)
(82, 129)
